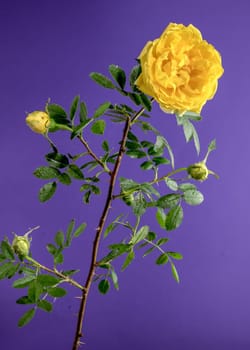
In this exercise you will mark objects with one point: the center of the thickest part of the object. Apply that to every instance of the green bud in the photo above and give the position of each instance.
(198, 171)
(21, 246)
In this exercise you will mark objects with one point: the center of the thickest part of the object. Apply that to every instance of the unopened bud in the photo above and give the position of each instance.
(21, 246)
(198, 171)
(38, 121)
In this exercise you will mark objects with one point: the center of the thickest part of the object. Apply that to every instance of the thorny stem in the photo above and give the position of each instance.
(93, 155)
(93, 264)
(56, 273)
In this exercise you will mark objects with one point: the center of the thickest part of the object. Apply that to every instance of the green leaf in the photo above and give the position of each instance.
(174, 218)
(69, 232)
(212, 145)
(187, 186)
(47, 280)
(147, 165)
(64, 179)
(7, 270)
(136, 154)
(56, 110)
(105, 146)
(171, 184)
(101, 109)
(139, 235)
(168, 201)
(44, 305)
(175, 273)
(57, 160)
(73, 107)
(7, 250)
(114, 278)
(139, 204)
(162, 259)
(46, 173)
(135, 98)
(160, 160)
(80, 229)
(161, 217)
(27, 317)
(51, 248)
(98, 127)
(162, 241)
(24, 300)
(132, 137)
(151, 236)
(148, 251)
(75, 172)
(34, 291)
(23, 282)
(57, 292)
(102, 80)
(83, 112)
(134, 74)
(175, 255)
(78, 129)
(159, 144)
(145, 101)
(129, 258)
(47, 191)
(103, 286)
(58, 258)
(58, 118)
(193, 197)
(118, 74)
(59, 238)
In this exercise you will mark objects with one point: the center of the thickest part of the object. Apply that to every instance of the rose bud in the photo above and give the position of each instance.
(38, 121)
(198, 171)
(21, 246)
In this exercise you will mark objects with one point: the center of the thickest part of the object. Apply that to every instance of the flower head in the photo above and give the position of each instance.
(21, 245)
(38, 121)
(180, 69)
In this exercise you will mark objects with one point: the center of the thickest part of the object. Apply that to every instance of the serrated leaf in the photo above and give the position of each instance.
(83, 112)
(175, 273)
(79, 128)
(101, 109)
(160, 160)
(23, 282)
(145, 101)
(45, 305)
(7, 270)
(27, 317)
(58, 258)
(57, 292)
(132, 137)
(175, 255)
(147, 165)
(162, 259)
(7, 250)
(46, 173)
(162, 241)
(118, 74)
(47, 191)
(24, 300)
(114, 278)
(98, 127)
(168, 201)
(56, 110)
(136, 154)
(102, 80)
(135, 98)
(171, 184)
(174, 218)
(59, 238)
(129, 258)
(151, 236)
(187, 186)
(148, 251)
(73, 107)
(34, 291)
(57, 160)
(69, 232)
(47, 280)
(134, 74)
(193, 197)
(75, 172)
(161, 217)
(80, 229)
(105, 146)
(139, 235)
(103, 286)
(64, 179)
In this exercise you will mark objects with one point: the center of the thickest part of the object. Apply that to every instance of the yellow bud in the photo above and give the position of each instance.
(198, 171)
(21, 246)
(38, 121)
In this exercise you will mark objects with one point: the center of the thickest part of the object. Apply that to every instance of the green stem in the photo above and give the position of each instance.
(55, 272)
(171, 173)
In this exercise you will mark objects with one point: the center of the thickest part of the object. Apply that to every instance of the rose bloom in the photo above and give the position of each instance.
(38, 121)
(180, 70)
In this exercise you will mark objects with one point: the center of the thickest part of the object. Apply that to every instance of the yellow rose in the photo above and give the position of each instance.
(38, 121)
(180, 70)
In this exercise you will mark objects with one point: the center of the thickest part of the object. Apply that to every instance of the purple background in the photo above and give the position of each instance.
(48, 48)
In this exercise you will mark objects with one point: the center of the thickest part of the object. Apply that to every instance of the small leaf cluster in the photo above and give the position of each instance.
(118, 83)
(189, 129)
(63, 240)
